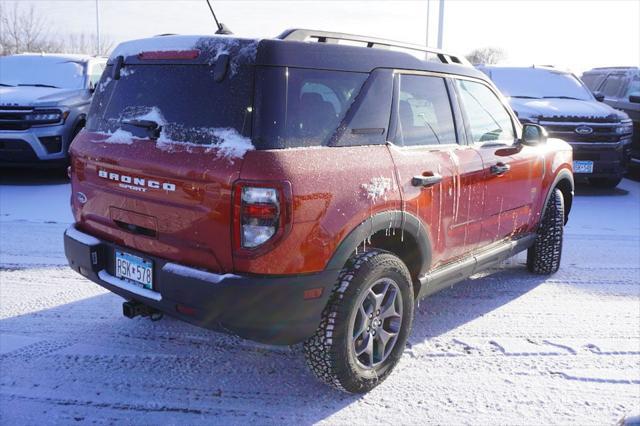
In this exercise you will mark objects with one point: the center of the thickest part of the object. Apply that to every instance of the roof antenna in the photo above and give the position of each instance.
(222, 28)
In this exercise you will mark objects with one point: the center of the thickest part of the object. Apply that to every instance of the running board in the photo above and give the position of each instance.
(452, 273)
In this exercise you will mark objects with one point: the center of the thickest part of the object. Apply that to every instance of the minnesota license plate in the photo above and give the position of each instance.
(583, 167)
(134, 269)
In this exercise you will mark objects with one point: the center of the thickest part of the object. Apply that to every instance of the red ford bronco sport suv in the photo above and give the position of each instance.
(302, 189)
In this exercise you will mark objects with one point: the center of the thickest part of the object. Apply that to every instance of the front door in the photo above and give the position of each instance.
(512, 172)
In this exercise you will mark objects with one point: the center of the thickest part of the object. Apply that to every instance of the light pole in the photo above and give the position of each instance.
(428, 10)
(97, 29)
(440, 24)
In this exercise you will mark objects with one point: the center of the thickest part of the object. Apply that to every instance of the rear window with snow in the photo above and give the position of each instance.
(184, 99)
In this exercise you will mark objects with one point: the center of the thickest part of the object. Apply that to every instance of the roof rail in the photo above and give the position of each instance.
(299, 34)
(616, 68)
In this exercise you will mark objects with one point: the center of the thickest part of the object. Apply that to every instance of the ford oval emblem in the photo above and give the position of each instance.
(81, 197)
(584, 130)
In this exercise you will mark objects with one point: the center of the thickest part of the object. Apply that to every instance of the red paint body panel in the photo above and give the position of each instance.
(329, 200)
(192, 221)
(330, 197)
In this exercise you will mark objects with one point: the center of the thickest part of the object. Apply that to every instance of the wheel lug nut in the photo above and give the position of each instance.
(370, 315)
(378, 312)
(374, 332)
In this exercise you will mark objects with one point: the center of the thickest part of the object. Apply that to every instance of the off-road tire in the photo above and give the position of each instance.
(328, 352)
(605, 182)
(544, 256)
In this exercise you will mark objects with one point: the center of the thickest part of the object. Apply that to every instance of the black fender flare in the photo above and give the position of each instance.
(392, 219)
(563, 175)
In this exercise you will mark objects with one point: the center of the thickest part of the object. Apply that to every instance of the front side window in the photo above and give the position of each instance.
(612, 85)
(488, 119)
(634, 86)
(424, 114)
(593, 81)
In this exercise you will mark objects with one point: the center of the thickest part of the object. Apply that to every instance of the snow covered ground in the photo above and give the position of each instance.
(508, 348)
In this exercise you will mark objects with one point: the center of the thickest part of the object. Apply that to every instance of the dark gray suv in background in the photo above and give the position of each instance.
(44, 100)
(599, 134)
(620, 88)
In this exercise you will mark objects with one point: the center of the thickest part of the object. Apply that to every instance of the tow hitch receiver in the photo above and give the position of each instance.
(132, 309)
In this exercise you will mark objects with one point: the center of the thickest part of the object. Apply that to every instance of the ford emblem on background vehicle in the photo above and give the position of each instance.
(81, 197)
(584, 130)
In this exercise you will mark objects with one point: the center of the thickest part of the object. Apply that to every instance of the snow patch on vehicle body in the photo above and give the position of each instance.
(103, 86)
(119, 136)
(227, 142)
(154, 114)
(377, 188)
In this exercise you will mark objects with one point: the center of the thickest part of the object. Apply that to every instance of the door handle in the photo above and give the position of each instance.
(500, 169)
(426, 181)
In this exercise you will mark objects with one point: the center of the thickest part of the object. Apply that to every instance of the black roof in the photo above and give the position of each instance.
(306, 49)
(273, 52)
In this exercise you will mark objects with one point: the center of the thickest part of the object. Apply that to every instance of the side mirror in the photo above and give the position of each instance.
(533, 134)
(599, 96)
(634, 98)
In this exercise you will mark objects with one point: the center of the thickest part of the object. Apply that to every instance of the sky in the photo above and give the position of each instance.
(571, 34)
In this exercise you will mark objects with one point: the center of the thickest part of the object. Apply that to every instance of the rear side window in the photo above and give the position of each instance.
(185, 99)
(488, 119)
(424, 114)
(301, 107)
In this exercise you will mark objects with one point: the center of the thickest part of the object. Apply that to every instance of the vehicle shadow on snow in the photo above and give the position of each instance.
(468, 300)
(33, 176)
(584, 189)
(210, 373)
(186, 370)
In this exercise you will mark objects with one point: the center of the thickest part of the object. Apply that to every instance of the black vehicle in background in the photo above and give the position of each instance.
(620, 88)
(599, 134)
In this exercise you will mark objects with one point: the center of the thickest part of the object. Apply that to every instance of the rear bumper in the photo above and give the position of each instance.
(609, 159)
(266, 309)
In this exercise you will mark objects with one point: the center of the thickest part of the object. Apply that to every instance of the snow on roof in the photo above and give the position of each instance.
(166, 43)
(69, 56)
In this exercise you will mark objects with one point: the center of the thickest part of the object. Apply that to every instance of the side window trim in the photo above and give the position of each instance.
(515, 122)
(461, 123)
(395, 106)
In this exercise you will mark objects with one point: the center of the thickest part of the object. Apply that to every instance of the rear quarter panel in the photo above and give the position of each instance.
(332, 193)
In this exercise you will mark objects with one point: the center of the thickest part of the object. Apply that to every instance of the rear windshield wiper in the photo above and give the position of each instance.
(150, 125)
(40, 85)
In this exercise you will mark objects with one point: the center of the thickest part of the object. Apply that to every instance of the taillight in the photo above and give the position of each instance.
(261, 214)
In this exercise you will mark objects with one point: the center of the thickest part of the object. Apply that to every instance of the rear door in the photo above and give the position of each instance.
(512, 172)
(438, 177)
(164, 143)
